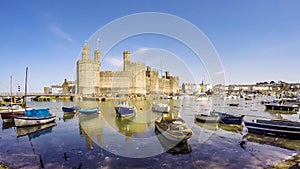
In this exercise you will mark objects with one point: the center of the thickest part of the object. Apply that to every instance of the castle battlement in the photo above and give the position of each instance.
(135, 79)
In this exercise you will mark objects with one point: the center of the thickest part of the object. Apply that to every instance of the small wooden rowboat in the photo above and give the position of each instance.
(206, 118)
(31, 121)
(160, 107)
(174, 129)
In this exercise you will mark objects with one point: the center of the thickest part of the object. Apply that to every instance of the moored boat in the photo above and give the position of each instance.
(173, 129)
(160, 107)
(278, 128)
(233, 104)
(283, 107)
(249, 97)
(34, 117)
(228, 118)
(202, 97)
(283, 104)
(90, 110)
(73, 109)
(206, 118)
(9, 116)
(125, 111)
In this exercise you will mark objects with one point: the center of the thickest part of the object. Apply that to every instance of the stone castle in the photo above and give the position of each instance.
(134, 80)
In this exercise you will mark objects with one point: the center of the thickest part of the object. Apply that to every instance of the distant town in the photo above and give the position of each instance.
(266, 88)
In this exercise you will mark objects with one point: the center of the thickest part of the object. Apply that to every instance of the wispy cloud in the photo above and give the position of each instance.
(219, 72)
(142, 51)
(57, 31)
(114, 61)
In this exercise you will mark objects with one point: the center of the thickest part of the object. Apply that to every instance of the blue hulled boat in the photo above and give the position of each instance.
(73, 109)
(278, 128)
(125, 111)
(90, 110)
(228, 118)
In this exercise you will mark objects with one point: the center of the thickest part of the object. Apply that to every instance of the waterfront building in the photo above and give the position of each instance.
(67, 87)
(134, 80)
(192, 88)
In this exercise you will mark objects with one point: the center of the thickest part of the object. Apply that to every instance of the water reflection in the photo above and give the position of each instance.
(274, 141)
(8, 124)
(231, 128)
(88, 140)
(213, 126)
(173, 147)
(91, 127)
(130, 127)
(102, 141)
(35, 131)
(68, 116)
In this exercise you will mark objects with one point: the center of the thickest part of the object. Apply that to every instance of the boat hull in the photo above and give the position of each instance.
(31, 121)
(70, 109)
(233, 104)
(162, 108)
(228, 118)
(8, 116)
(207, 118)
(171, 137)
(276, 128)
(125, 112)
(282, 107)
(90, 111)
(231, 120)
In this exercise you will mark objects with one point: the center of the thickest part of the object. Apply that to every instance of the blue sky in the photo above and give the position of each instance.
(256, 40)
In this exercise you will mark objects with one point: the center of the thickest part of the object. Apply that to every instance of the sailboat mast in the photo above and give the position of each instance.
(10, 86)
(25, 87)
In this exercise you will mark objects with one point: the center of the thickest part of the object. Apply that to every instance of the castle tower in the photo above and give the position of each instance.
(88, 72)
(97, 56)
(97, 53)
(126, 59)
(65, 87)
(85, 51)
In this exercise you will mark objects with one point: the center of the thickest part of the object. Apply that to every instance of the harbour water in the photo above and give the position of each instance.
(104, 141)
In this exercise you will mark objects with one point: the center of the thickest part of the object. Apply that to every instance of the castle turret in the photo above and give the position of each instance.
(88, 72)
(85, 51)
(97, 56)
(126, 57)
(65, 87)
(97, 53)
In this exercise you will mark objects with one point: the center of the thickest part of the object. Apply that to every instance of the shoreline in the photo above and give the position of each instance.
(288, 163)
(3, 166)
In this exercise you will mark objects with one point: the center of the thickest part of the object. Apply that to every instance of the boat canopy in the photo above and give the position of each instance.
(37, 113)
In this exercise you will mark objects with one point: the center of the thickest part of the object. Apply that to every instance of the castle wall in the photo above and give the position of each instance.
(114, 83)
(133, 80)
(87, 77)
(87, 72)
(152, 82)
